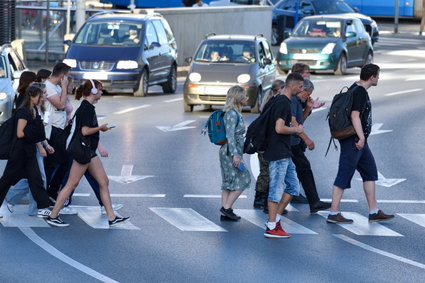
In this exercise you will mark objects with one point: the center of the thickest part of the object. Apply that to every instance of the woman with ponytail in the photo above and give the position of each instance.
(91, 92)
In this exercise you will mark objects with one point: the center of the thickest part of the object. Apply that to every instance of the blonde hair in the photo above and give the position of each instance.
(235, 95)
(272, 92)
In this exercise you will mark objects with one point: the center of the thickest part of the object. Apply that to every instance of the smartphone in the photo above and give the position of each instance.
(111, 127)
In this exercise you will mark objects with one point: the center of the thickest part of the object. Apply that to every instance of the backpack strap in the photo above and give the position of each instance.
(329, 145)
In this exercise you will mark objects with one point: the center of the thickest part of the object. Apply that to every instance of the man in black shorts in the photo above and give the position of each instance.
(355, 152)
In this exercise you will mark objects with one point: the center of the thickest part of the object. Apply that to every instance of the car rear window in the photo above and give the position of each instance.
(226, 51)
(116, 33)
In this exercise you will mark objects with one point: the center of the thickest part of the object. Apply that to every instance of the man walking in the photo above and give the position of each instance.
(283, 178)
(355, 152)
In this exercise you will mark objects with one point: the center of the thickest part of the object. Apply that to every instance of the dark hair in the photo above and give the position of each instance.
(25, 80)
(293, 77)
(368, 71)
(43, 74)
(85, 89)
(60, 69)
(300, 68)
(31, 91)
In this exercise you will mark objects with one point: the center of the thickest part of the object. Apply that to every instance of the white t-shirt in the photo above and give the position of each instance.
(53, 116)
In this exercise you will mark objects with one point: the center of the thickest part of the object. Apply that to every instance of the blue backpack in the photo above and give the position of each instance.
(215, 128)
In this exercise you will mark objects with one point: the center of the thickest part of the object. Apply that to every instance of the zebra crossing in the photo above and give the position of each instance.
(190, 220)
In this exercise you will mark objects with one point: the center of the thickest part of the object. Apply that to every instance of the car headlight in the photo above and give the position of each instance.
(283, 48)
(195, 77)
(127, 64)
(70, 62)
(329, 48)
(243, 78)
(3, 95)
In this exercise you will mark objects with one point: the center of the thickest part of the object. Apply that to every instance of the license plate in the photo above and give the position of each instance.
(216, 90)
(302, 56)
(95, 76)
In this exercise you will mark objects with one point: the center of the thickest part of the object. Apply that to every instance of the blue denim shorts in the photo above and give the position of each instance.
(352, 159)
(283, 178)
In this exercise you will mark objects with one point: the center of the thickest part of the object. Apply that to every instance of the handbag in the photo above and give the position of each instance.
(79, 147)
(7, 137)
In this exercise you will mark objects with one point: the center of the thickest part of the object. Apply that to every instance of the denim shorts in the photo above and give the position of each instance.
(352, 159)
(283, 178)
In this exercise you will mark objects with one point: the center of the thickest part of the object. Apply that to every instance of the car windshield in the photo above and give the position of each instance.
(226, 51)
(332, 7)
(318, 28)
(116, 33)
(3, 73)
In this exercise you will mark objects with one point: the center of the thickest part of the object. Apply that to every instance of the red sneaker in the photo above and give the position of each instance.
(277, 232)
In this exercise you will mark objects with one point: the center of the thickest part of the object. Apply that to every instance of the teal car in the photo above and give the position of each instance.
(333, 42)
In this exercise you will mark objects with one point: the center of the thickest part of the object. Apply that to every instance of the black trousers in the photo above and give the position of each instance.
(20, 166)
(305, 174)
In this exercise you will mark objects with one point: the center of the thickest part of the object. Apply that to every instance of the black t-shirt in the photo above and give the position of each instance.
(33, 131)
(361, 103)
(278, 145)
(87, 115)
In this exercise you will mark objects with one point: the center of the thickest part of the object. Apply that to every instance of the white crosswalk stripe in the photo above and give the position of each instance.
(415, 218)
(258, 218)
(187, 219)
(92, 216)
(362, 227)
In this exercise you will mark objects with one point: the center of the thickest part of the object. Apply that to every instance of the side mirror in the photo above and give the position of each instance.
(67, 42)
(266, 61)
(154, 45)
(350, 34)
(188, 60)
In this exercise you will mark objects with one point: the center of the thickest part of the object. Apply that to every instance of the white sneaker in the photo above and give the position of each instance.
(43, 212)
(115, 207)
(68, 210)
(10, 207)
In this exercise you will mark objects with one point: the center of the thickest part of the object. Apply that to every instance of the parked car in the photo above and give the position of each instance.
(285, 12)
(222, 61)
(11, 68)
(126, 52)
(333, 42)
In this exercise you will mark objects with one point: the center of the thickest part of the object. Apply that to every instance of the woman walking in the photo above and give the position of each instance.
(86, 117)
(235, 176)
(22, 161)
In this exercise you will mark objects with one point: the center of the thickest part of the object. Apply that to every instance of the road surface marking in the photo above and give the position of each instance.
(403, 92)
(177, 127)
(132, 109)
(343, 200)
(415, 218)
(91, 216)
(62, 257)
(20, 218)
(81, 195)
(401, 201)
(258, 218)
(138, 195)
(378, 251)
(187, 219)
(174, 100)
(362, 227)
(207, 196)
(127, 176)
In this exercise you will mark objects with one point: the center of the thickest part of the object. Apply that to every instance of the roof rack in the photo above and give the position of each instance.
(109, 12)
(209, 35)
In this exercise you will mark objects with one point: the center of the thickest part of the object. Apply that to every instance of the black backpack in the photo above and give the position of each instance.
(339, 116)
(256, 135)
(7, 137)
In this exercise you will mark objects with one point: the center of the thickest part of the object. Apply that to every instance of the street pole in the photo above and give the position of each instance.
(47, 31)
(80, 14)
(396, 17)
(68, 17)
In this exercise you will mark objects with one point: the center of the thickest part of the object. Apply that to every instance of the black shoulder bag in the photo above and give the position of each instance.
(79, 146)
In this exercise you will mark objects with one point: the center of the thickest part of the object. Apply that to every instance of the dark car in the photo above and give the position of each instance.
(284, 14)
(126, 52)
(331, 42)
(222, 61)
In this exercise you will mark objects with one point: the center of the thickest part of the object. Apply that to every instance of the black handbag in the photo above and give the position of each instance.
(79, 147)
(7, 137)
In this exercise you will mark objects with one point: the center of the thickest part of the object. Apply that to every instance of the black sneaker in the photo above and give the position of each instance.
(225, 218)
(56, 221)
(118, 219)
(338, 219)
(299, 199)
(229, 213)
(320, 205)
(380, 216)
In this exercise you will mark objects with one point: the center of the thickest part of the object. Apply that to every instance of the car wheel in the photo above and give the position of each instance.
(275, 36)
(171, 85)
(257, 106)
(342, 65)
(187, 107)
(143, 84)
(369, 58)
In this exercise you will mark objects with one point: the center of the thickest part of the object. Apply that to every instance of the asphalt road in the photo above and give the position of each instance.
(168, 179)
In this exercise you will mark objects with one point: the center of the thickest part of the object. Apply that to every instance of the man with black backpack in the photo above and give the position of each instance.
(355, 153)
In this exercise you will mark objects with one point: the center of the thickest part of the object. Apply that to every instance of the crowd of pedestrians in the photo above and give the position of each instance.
(39, 165)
